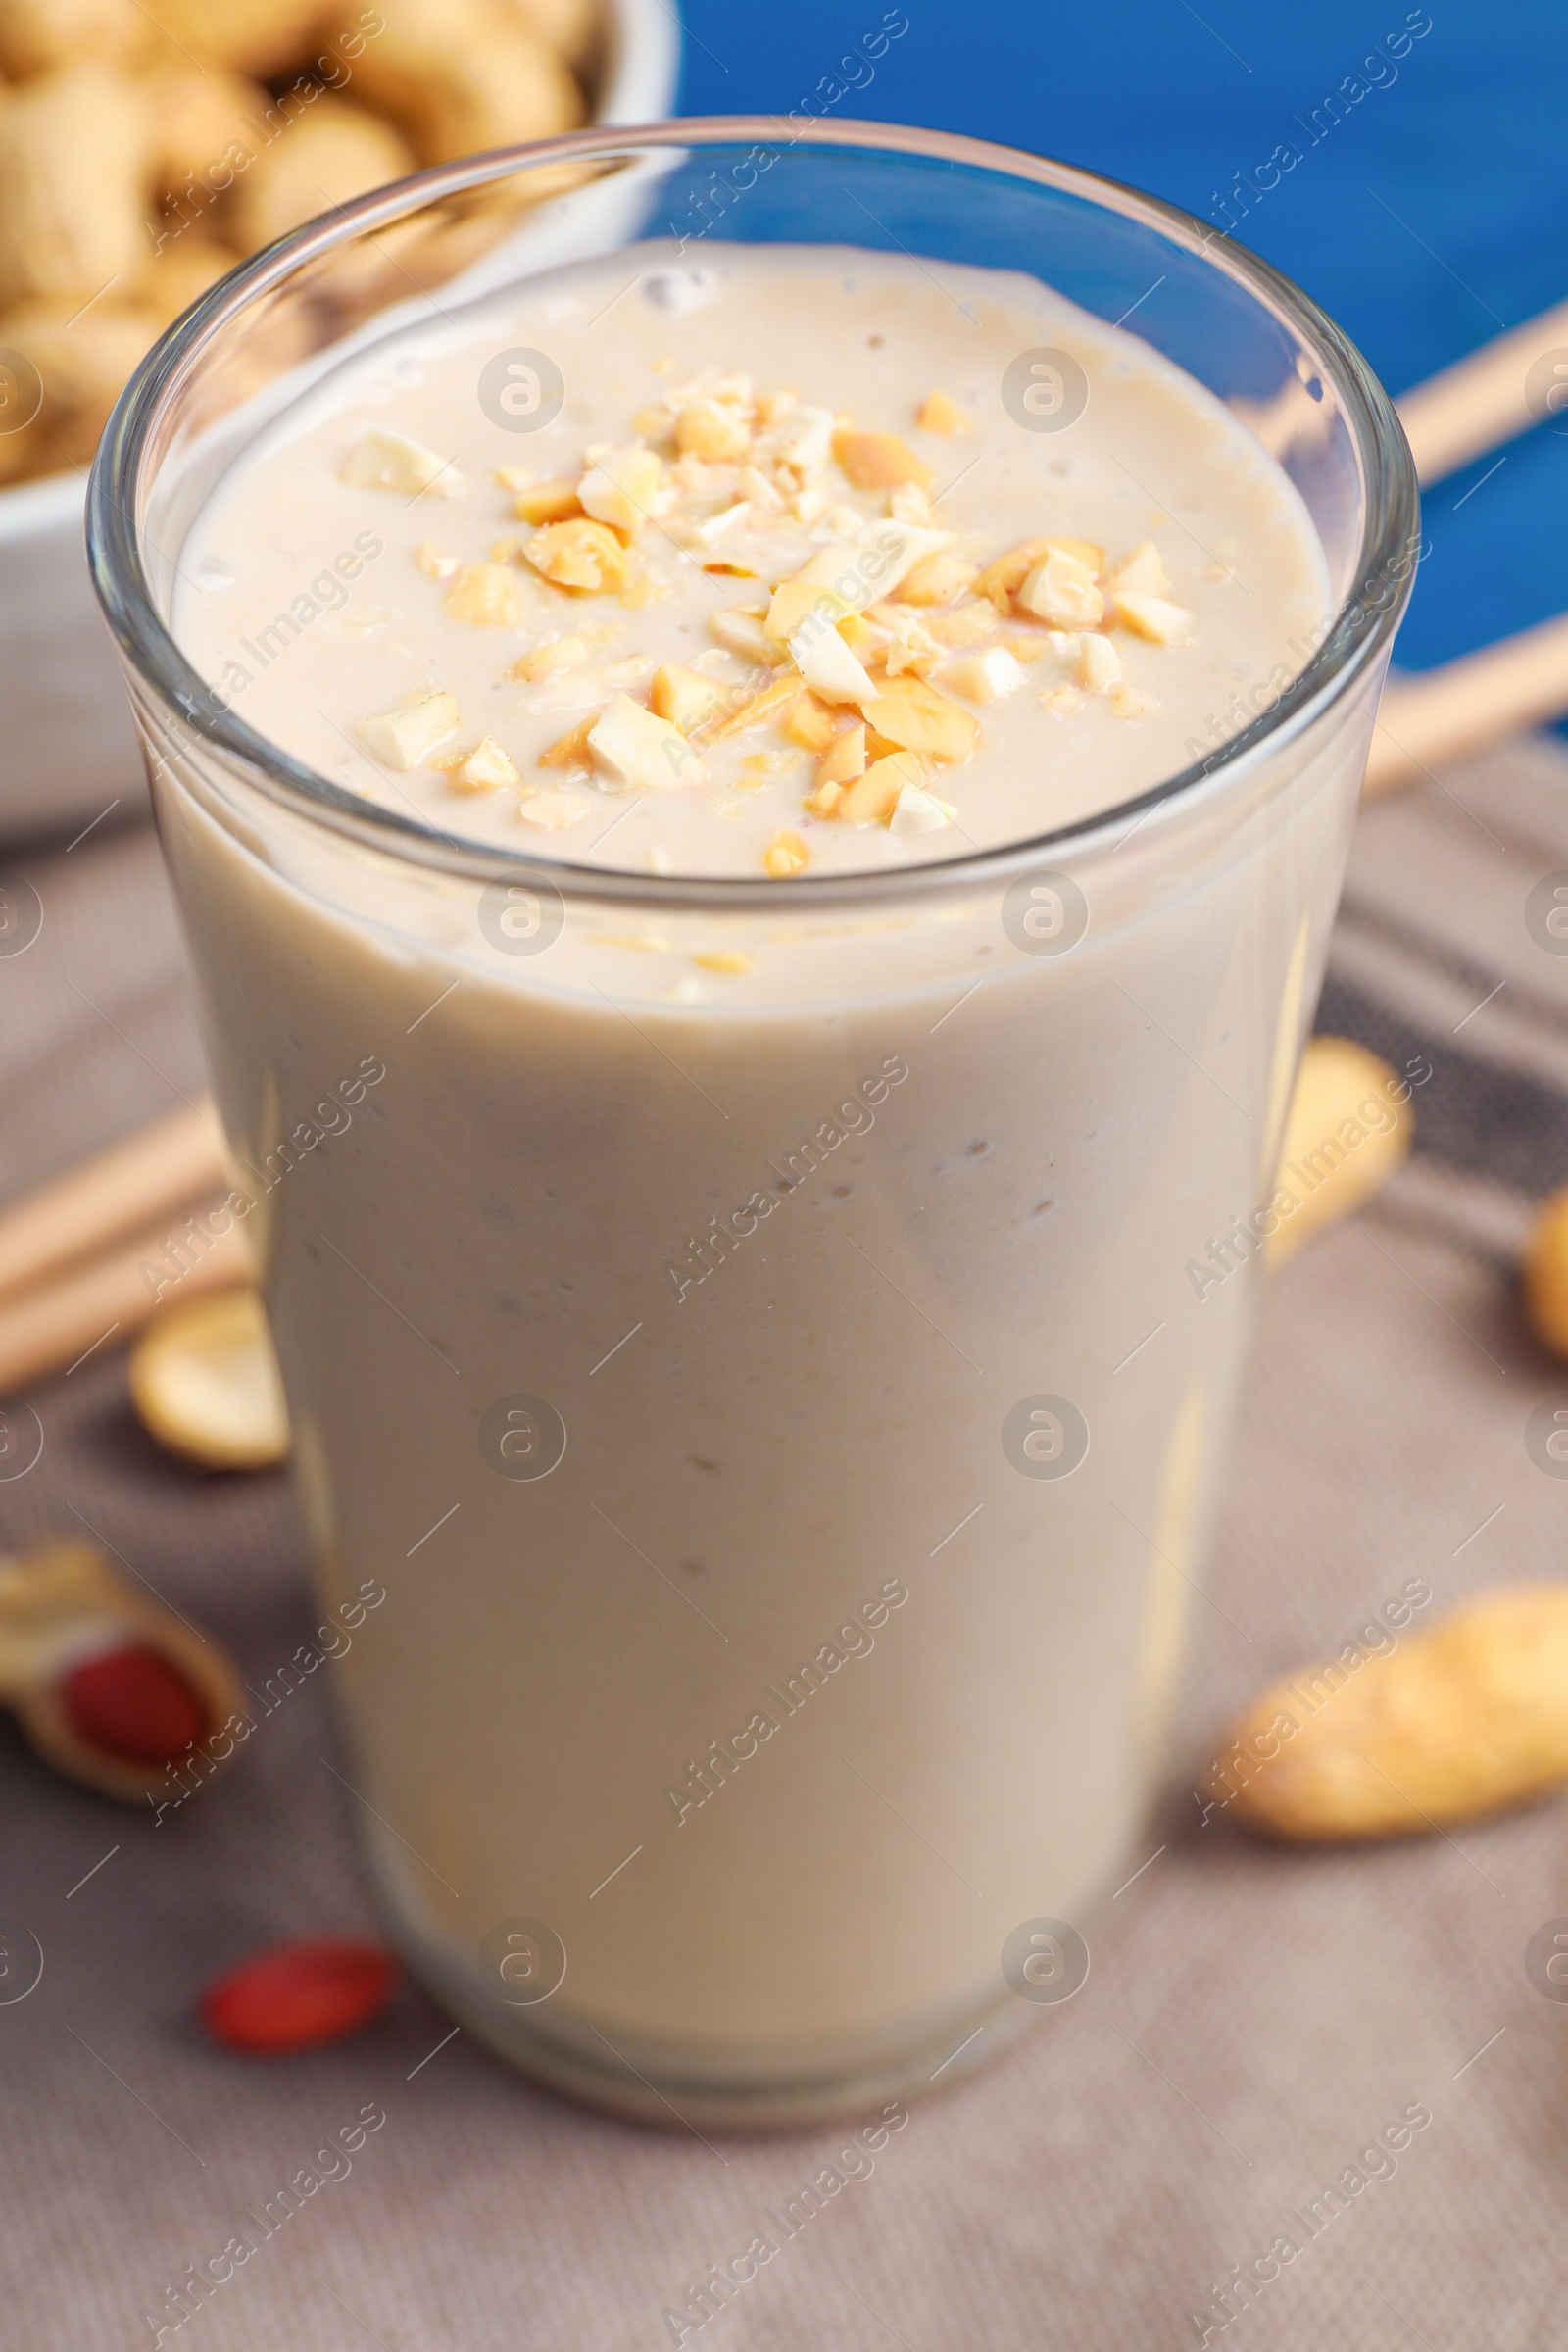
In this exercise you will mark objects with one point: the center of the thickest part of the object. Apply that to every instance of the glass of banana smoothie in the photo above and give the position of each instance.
(800, 691)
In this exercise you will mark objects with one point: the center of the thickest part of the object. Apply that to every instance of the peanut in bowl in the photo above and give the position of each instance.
(144, 150)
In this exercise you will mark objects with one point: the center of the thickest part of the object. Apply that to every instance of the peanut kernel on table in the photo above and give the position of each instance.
(205, 1381)
(1346, 1133)
(1463, 1719)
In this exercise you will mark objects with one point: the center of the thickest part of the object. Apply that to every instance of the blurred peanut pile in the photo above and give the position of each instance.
(147, 145)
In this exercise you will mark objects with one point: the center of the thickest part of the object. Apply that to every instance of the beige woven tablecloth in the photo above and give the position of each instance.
(1252, 2018)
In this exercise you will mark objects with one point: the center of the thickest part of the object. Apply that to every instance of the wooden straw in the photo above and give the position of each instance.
(1481, 399)
(1444, 713)
(142, 1178)
(52, 1327)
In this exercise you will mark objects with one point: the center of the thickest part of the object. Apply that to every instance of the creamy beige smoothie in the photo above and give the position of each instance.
(753, 1341)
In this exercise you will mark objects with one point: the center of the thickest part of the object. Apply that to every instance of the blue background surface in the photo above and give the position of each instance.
(1433, 216)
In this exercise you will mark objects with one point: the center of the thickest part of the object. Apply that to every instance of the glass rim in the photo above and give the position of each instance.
(187, 701)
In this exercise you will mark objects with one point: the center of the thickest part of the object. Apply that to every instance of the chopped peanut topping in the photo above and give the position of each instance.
(1006, 575)
(553, 809)
(846, 761)
(707, 430)
(910, 645)
(917, 811)
(622, 488)
(571, 749)
(584, 555)
(436, 567)
(801, 439)
(785, 854)
(846, 648)
(1009, 572)
(725, 960)
(809, 723)
(485, 768)
(985, 677)
(743, 633)
(915, 717)
(547, 501)
(796, 601)
(406, 735)
(1099, 663)
(635, 751)
(551, 661)
(879, 461)
(940, 415)
(1142, 571)
(685, 697)
(873, 797)
(1153, 617)
(755, 486)
(776, 697)
(487, 594)
(829, 667)
(1062, 592)
(970, 625)
(391, 462)
(936, 581)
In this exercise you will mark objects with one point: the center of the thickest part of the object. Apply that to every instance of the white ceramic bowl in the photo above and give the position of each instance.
(67, 753)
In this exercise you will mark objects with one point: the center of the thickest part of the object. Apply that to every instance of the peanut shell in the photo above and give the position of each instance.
(1465, 1718)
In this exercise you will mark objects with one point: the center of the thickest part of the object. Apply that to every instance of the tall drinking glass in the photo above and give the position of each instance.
(785, 1426)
